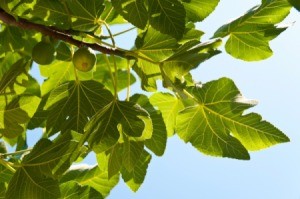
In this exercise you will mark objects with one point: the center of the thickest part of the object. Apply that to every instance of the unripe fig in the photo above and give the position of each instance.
(43, 53)
(84, 59)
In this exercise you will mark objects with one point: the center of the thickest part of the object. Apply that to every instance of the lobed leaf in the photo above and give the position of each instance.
(92, 178)
(198, 10)
(74, 190)
(135, 178)
(15, 39)
(157, 143)
(134, 11)
(72, 104)
(217, 125)
(85, 15)
(16, 114)
(249, 34)
(169, 107)
(103, 126)
(167, 16)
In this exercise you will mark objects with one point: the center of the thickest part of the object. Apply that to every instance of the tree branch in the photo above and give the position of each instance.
(59, 34)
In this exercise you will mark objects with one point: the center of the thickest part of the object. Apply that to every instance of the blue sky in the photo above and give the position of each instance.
(273, 173)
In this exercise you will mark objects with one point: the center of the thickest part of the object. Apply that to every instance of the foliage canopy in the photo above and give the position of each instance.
(81, 112)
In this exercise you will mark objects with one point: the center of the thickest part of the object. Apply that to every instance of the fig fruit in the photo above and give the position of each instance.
(84, 59)
(43, 53)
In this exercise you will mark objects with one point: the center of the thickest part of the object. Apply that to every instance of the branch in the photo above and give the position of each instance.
(59, 34)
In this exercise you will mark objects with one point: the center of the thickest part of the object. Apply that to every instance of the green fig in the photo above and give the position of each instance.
(43, 53)
(84, 59)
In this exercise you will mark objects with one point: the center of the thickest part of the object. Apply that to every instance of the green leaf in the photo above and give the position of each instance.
(73, 14)
(102, 129)
(115, 160)
(5, 174)
(132, 154)
(133, 11)
(15, 39)
(154, 45)
(40, 116)
(217, 125)
(249, 34)
(158, 141)
(131, 118)
(103, 76)
(102, 72)
(191, 34)
(2, 190)
(74, 190)
(135, 178)
(167, 16)
(57, 73)
(36, 176)
(111, 15)
(169, 107)
(188, 57)
(15, 115)
(149, 73)
(15, 79)
(63, 52)
(72, 104)
(2, 147)
(7, 61)
(198, 10)
(295, 3)
(85, 15)
(32, 179)
(47, 12)
(91, 177)
(103, 126)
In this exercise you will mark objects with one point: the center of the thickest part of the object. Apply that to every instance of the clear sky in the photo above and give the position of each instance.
(273, 173)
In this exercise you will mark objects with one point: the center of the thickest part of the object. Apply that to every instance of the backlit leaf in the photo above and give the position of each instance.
(91, 177)
(158, 141)
(217, 125)
(133, 11)
(166, 20)
(72, 104)
(249, 34)
(15, 115)
(136, 177)
(169, 106)
(197, 10)
(85, 15)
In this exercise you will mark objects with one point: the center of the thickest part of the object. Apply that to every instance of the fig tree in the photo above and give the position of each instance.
(84, 59)
(43, 53)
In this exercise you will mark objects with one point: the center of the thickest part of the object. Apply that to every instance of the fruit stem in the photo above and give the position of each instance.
(128, 80)
(115, 78)
(76, 75)
(118, 33)
(116, 75)
(7, 165)
(16, 152)
(106, 17)
(111, 75)
(110, 34)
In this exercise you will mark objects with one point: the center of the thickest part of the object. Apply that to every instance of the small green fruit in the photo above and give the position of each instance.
(84, 59)
(43, 53)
